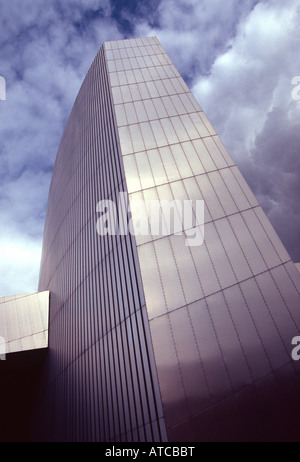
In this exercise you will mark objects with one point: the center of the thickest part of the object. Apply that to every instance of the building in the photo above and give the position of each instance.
(151, 339)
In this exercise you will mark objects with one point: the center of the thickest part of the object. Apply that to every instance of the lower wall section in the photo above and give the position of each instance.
(225, 364)
(108, 393)
(267, 411)
(20, 376)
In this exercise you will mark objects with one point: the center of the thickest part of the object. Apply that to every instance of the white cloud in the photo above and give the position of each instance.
(253, 76)
(20, 260)
(46, 51)
(248, 98)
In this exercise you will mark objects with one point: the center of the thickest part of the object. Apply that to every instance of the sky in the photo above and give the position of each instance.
(241, 60)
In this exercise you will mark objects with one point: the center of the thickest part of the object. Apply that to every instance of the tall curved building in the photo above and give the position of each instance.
(151, 339)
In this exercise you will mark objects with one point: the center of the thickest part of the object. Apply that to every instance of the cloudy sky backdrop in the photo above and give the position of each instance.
(238, 57)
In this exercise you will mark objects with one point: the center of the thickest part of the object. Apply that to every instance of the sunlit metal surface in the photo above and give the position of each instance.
(223, 314)
(24, 321)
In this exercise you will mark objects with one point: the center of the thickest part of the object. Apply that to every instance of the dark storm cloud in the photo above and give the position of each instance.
(128, 14)
(273, 173)
(196, 32)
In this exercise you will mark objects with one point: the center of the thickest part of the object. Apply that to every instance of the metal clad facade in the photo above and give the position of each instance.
(151, 339)
(102, 383)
